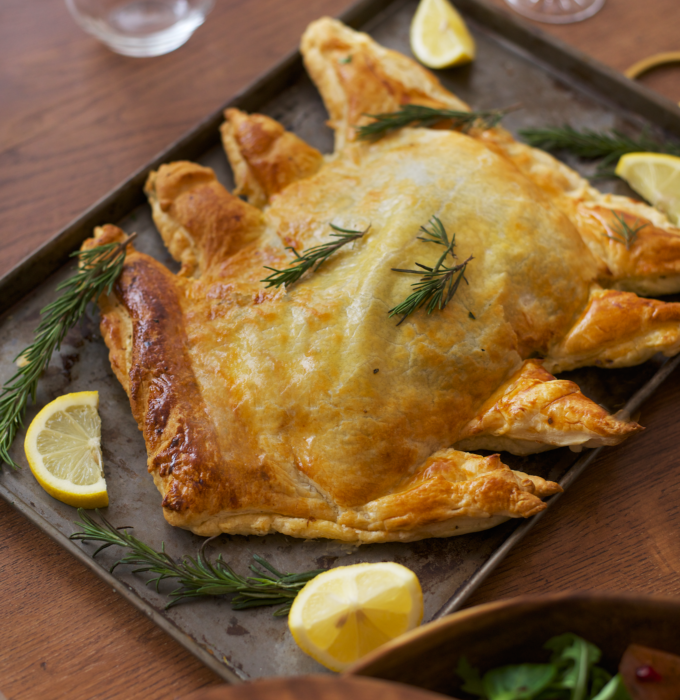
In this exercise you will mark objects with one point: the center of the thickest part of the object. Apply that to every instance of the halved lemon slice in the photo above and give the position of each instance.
(655, 176)
(344, 613)
(439, 37)
(63, 448)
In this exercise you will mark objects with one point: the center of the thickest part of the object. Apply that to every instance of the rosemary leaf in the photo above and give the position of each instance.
(98, 269)
(197, 577)
(587, 143)
(312, 258)
(437, 284)
(623, 233)
(419, 115)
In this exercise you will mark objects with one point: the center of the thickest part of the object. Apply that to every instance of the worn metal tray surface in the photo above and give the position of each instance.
(514, 64)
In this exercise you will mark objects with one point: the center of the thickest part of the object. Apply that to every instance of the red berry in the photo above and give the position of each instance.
(648, 674)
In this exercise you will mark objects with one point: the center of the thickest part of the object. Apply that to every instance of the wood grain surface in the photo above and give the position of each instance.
(75, 120)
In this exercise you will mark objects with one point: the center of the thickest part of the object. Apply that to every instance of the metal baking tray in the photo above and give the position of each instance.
(515, 64)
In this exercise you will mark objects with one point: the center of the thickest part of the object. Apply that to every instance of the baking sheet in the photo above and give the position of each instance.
(252, 644)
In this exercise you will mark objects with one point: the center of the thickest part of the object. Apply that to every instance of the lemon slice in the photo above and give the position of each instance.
(63, 448)
(439, 37)
(344, 613)
(655, 176)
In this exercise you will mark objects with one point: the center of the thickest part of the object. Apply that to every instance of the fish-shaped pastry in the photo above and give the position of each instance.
(306, 408)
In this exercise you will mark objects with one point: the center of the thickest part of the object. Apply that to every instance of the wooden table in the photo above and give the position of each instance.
(75, 120)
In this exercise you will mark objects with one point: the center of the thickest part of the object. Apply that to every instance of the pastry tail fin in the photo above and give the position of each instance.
(617, 329)
(533, 412)
(264, 156)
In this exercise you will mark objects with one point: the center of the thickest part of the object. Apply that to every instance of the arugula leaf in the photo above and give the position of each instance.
(564, 648)
(614, 690)
(518, 682)
(472, 681)
(574, 657)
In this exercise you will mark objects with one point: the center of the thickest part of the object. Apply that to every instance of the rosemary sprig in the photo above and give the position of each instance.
(98, 270)
(623, 233)
(197, 577)
(587, 143)
(419, 115)
(313, 257)
(438, 284)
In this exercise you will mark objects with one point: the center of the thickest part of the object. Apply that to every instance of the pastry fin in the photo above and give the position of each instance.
(452, 490)
(115, 323)
(648, 263)
(533, 412)
(200, 222)
(264, 156)
(617, 329)
(356, 77)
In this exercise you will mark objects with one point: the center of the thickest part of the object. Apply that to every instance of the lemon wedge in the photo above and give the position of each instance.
(439, 37)
(63, 448)
(344, 613)
(655, 176)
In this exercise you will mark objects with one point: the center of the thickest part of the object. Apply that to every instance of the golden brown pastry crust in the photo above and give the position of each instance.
(116, 324)
(206, 490)
(617, 329)
(533, 412)
(200, 226)
(650, 264)
(375, 80)
(264, 156)
(307, 410)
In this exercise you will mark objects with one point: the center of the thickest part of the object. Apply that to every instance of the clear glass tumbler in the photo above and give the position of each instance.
(556, 11)
(140, 27)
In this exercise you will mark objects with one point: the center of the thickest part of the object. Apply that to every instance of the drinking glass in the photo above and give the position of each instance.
(556, 11)
(140, 27)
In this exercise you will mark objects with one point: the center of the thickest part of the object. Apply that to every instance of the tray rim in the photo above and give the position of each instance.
(557, 58)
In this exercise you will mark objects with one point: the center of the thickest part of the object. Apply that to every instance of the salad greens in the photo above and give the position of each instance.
(571, 674)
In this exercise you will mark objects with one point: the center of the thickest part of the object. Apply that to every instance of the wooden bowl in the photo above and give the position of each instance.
(313, 688)
(513, 631)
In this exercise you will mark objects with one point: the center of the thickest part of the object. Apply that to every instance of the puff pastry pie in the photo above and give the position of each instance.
(308, 410)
